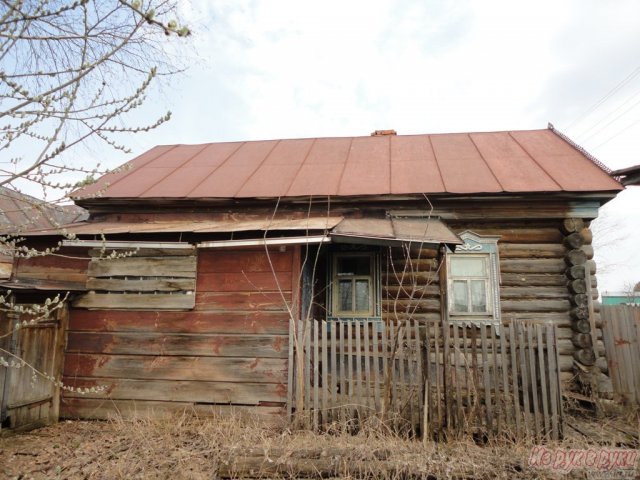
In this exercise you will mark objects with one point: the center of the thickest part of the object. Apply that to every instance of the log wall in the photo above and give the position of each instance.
(230, 352)
(538, 283)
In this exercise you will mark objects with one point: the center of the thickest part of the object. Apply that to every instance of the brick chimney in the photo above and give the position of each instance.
(380, 133)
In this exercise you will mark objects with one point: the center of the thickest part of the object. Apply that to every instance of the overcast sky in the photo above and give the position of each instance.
(282, 69)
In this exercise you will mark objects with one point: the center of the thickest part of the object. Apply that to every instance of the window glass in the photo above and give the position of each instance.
(478, 296)
(344, 294)
(460, 299)
(468, 267)
(356, 265)
(362, 295)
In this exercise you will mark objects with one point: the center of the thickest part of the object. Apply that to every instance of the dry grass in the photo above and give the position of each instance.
(185, 446)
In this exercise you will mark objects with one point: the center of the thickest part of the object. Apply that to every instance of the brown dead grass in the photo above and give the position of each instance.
(188, 447)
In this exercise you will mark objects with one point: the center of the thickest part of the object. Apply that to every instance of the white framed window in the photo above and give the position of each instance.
(473, 279)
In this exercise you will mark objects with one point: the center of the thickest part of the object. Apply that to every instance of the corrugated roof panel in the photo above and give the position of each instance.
(367, 171)
(511, 165)
(413, 165)
(274, 176)
(193, 171)
(463, 168)
(569, 168)
(231, 175)
(112, 178)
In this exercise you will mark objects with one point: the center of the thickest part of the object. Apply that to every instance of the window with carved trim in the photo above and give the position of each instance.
(473, 279)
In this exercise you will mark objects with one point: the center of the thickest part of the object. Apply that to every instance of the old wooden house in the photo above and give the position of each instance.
(223, 249)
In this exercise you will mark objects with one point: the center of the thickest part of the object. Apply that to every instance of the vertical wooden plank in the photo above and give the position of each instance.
(376, 369)
(439, 373)
(497, 404)
(486, 377)
(534, 378)
(525, 378)
(465, 364)
(358, 358)
(307, 367)
(504, 370)
(513, 371)
(367, 367)
(474, 375)
(350, 358)
(334, 370)
(290, 369)
(402, 384)
(543, 364)
(326, 383)
(343, 366)
(419, 378)
(426, 369)
(554, 395)
(316, 374)
(558, 382)
(386, 373)
(613, 360)
(458, 417)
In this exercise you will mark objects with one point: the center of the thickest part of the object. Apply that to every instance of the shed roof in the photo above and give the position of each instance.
(455, 163)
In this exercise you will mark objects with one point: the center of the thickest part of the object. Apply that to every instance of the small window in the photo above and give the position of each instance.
(469, 278)
(473, 279)
(353, 285)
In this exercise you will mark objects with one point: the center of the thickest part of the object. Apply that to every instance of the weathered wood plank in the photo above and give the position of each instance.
(244, 282)
(234, 261)
(533, 279)
(244, 322)
(538, 265)
(532, 250)
(141, 367)
(144, 267)
(181, 391)
(267, 346)
(132, 301)
(141, 284)
(242, 301)
(105, 409)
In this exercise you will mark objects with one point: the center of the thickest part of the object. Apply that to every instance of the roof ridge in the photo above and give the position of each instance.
(580, 149)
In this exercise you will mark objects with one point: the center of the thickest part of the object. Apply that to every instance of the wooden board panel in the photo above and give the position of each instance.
(141, 284)
(181, 391)
(144, 267)
(131, 301)
(268, 346)
(234, 261)
(220, 369)
(242, 301)
(244, 282)
(103, 409)
(531, 250)
(248, 322)
(146, 252)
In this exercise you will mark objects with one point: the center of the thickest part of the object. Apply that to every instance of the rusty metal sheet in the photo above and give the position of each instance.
(463, 163)
(213, 226)
(394, 230)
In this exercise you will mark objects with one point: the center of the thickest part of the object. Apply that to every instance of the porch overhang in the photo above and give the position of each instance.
(395, 231)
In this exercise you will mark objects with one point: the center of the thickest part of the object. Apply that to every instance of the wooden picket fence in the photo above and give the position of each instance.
(621, 334)
(420, 378)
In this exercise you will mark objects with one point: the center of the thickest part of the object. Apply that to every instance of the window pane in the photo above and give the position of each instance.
(478, 296)
(344, 295)
(354, 265)
(460, 300)
(468, 267)
(362, 295)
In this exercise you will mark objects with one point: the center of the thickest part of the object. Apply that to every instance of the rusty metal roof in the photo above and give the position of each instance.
(456, 163)
(197, 226)
(20, 212)
(395, 230)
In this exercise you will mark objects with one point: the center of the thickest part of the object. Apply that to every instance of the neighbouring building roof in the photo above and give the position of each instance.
(20, 212)
(456, 163)
(629, 175)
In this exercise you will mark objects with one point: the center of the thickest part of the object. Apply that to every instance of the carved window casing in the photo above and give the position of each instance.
(473, 280)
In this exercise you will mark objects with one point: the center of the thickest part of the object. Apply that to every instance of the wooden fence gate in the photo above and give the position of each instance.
(621, 334)
(27, 399)
(422, 379)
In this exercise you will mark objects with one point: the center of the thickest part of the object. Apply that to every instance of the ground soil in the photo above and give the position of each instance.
(188, 447)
